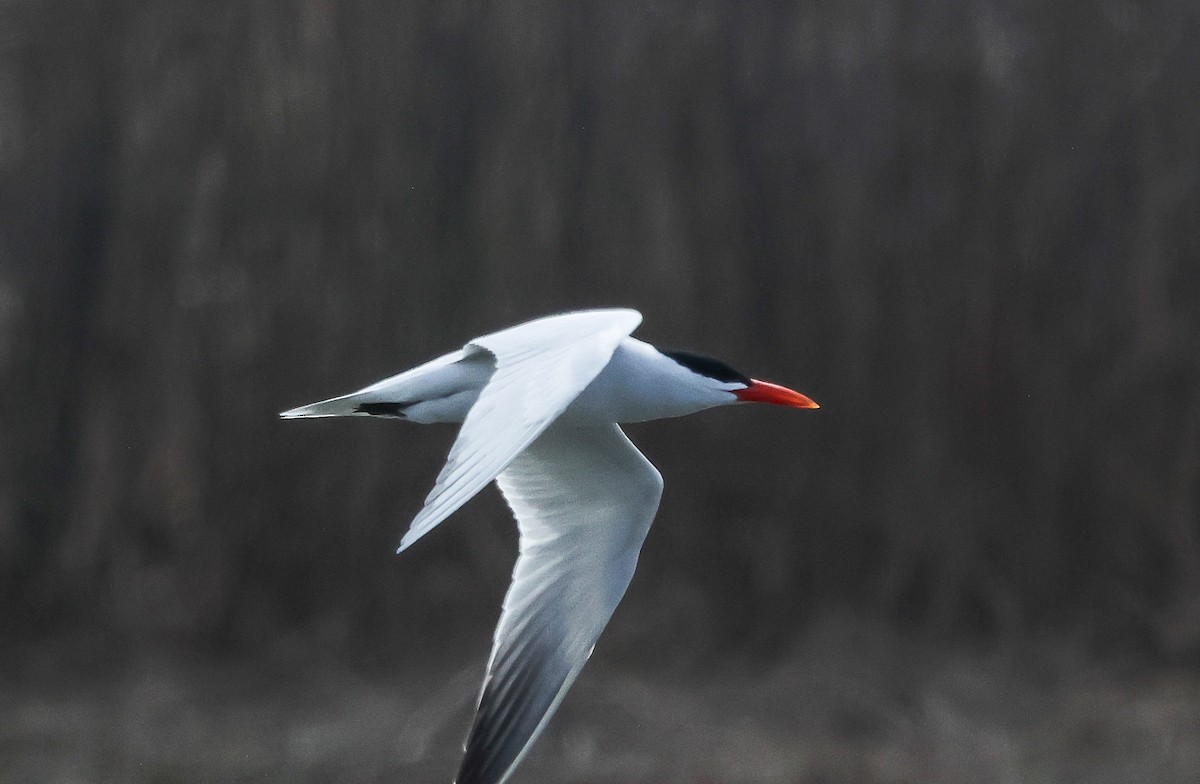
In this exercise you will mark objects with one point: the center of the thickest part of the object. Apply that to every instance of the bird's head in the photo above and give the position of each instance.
(742, 388)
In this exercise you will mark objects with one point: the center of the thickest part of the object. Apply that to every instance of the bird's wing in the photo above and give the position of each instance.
(541, 366)
(584, 499)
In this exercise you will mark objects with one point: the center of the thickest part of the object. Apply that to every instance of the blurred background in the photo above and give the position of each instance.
(968, 229)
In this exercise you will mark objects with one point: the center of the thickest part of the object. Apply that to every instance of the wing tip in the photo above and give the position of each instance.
(416, 530)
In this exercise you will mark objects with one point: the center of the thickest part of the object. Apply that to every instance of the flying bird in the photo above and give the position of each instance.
(540, 406)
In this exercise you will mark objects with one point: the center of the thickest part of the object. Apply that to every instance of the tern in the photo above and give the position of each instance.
(541, 405)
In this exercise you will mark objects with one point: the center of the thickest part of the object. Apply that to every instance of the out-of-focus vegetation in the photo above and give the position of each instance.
(968, 229)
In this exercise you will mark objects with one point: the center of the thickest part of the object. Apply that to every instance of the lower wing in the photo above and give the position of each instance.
(584, 499)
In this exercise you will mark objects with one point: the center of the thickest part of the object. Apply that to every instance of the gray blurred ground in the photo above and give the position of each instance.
(850, 702)
(968, 229)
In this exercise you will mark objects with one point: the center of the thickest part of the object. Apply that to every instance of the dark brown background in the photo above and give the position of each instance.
(968, 229)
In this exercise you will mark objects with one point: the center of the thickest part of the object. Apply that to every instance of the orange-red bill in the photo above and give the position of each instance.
(766, 392)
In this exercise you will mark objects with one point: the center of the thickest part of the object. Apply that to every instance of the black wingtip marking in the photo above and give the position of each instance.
(707, 366)
(381, 409)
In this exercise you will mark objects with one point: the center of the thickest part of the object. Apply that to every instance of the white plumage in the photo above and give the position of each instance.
(539, 405)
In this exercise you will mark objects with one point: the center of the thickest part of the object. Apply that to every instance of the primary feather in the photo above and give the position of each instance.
(584, 499)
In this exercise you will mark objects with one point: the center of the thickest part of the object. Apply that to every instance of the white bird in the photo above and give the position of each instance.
(540, 405)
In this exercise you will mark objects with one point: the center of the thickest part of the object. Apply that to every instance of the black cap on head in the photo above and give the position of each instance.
(707, 366)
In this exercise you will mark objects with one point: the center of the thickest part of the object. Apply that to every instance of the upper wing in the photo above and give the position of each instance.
(541, 366)
(584, 499)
